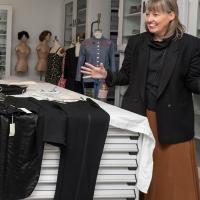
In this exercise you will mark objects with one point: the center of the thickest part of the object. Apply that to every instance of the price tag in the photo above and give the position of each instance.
(12, 128)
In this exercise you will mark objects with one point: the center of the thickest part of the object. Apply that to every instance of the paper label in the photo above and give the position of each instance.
(12, 129)
(25, 110)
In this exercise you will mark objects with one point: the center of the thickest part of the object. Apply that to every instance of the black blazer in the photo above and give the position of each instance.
(179, 79)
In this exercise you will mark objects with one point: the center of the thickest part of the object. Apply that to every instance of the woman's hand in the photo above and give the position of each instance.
(94, 72)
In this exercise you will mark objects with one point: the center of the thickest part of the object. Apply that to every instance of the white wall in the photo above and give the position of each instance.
(34, 16)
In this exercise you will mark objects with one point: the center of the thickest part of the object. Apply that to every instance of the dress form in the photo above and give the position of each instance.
(98, 34)
(57, 47)
(22, 51)
(42, 53)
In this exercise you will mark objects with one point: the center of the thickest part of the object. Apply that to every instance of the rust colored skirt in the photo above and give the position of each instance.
(175, 175)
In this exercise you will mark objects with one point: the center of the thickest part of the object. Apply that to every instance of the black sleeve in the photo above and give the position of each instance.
(193, 75)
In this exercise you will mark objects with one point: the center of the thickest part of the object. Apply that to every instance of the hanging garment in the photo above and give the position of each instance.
(62, 80)
(80, 158)
(95, 51)
(20, 152)
(54, 65)
(70, 69)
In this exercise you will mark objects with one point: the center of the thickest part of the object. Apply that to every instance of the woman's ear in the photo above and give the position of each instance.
(172, 15)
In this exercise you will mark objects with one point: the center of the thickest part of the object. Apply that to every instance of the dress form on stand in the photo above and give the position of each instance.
(42, 53)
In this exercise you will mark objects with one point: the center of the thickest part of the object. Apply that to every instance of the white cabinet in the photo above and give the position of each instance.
(68, 23)
(194, 29)
(79, 15)
(197, 101)
(5, 40)
(117, 175)
(198, 21)
(194, 17)
(114, 21)
(131, 21)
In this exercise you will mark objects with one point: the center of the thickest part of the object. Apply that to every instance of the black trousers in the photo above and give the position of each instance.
(87, 126)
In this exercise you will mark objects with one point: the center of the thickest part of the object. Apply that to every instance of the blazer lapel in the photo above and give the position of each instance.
(169, 66)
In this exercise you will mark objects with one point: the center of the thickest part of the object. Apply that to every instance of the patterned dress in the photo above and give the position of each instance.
(54, 68)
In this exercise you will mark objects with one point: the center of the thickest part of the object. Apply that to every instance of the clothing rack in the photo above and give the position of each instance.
(95, 22)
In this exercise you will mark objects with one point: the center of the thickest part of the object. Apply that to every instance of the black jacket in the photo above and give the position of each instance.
(20, 155)
(179, 79)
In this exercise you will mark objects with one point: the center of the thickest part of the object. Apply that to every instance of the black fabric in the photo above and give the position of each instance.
(78, 128)
(12, 89)
(52, 119)
(54, 68)
(87, 126)
(70, 68)
(156, 60)
(20, 155)
(180, 78)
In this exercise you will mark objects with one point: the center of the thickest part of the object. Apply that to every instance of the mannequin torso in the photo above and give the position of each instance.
(42, 52)
(22, 52)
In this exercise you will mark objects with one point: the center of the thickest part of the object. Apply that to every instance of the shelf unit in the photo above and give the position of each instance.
(196, 99)
(68, 23)
(131, 22)
(5, 40)
(114, 21)
(79, 14)
(195, 15)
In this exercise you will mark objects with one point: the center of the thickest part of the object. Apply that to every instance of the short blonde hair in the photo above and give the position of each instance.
(175, 26)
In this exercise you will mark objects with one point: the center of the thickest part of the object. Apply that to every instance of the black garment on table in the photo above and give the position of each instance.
(79, 161)
(54, 68)
(20, 155)
(51, 125)
(52, 118)
(81, 144)
(12, 89)
(70, 68)
(156, 62)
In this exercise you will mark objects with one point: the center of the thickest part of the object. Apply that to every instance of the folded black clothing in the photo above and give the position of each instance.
(12, 89)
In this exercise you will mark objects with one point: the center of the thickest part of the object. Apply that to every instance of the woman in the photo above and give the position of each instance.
(22, 51)
(162, 69)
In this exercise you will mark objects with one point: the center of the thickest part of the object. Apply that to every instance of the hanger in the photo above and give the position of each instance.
(96, 22)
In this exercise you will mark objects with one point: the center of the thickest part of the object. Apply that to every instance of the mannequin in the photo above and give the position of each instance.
(22, 51)
(57, 47)
(98, 34)
(54, 63)
(42, 52)
(95, 50)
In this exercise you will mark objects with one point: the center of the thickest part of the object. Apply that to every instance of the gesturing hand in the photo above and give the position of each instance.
(94, 72)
